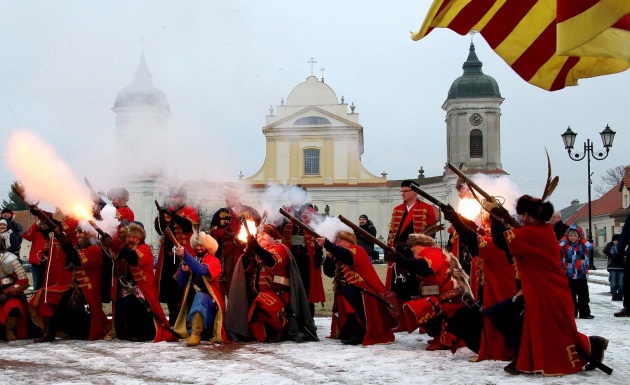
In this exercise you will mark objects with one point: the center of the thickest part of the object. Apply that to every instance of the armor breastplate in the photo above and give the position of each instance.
(7, 265)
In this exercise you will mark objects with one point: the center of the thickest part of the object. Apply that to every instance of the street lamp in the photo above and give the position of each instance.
(608, 136)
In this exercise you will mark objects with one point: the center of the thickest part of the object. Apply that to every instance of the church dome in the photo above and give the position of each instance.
(312, 93)
(474, 83)
(141, 92)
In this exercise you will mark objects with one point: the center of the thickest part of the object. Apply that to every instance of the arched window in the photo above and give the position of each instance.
(476, 144)
(311, 161)
(311, 120)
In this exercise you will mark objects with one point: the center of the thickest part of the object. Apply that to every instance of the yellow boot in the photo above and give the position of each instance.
(9, 328)
(197, 329)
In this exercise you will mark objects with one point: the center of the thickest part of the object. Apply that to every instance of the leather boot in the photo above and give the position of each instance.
(197, 328)
(9, 328)
(48, 334)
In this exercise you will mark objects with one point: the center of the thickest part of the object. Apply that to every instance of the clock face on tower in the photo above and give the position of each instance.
(476, 119)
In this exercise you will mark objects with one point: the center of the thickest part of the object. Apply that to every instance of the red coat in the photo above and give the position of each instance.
(421, 215)
(315, 291)
(379, 322)
(90, 282)
(499, 284)
(418, 311)
(550, 335)
(145, 279)
(38, 244)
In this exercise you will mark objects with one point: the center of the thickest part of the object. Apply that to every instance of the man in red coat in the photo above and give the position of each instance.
(57, 275)
(358, 316)
(440, 293)
(138, 314)
(87, 262)
(182, 220)
(307, 253)
(410, 217)
(550, 343)
(225, 227)
(267, 301)
(498, 281)
(120, 197)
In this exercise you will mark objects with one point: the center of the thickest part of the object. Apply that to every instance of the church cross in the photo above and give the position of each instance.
(472, 35)
(311, 62)
(322, 69)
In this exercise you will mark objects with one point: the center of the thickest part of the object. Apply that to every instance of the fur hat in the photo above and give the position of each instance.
(4, 221)
(534, 207)
(205, 240)
(7, 210)
(346, 236)
(180, 192)
(363, 216)
(231, 192)
(269, 229)
(133, 229)
(420, 239)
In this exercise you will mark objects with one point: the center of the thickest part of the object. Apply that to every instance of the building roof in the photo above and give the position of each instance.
(566, 212)
(312, 93)
(606, 204)
(474, 83)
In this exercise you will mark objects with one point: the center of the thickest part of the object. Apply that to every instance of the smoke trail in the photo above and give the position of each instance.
(46, 177)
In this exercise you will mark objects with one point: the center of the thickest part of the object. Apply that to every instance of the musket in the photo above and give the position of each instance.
(365, 234)
(161, 256)
(96, 227)
(299, 223)
(504, 215)
(344, 282)
(59, 234)
(427, 196)
(171, 236)
(133, 289)
(93, 194)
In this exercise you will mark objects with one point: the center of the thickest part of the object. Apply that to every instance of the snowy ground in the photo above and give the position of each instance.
(327, 362)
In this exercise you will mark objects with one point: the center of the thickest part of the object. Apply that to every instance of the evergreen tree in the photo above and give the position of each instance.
(15, 203)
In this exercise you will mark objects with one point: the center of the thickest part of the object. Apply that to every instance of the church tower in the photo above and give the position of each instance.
(473, 120)
(142, 114)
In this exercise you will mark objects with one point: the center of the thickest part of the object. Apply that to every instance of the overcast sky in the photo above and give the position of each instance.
(222, 64)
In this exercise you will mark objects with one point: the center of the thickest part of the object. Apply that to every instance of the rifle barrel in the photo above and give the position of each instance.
(426, 195)
(364, 233)
(172, 237)
(469, 182)
(299, 223)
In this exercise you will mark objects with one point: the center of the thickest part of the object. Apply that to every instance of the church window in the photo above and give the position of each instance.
(311, 161)
(476, 144)
(311, 120)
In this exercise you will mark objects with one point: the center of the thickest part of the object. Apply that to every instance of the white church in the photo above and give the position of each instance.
(314, 139)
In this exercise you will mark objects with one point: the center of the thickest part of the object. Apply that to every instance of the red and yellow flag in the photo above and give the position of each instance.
(549, 43)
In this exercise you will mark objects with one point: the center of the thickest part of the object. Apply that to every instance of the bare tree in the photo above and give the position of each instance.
(610, 179)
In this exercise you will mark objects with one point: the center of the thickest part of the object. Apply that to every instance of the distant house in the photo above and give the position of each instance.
(608, 213)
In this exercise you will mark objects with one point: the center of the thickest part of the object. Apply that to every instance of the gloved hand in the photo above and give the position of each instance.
(449, 212)
(251, 243)
(3, 298)
(166, 211)
(390, 256)
(107, 241)
(490, 204)
(229, 234)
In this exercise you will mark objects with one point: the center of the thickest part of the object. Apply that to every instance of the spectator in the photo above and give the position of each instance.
(366, 224)
(559, 227)
(574, 250)
(615, 268)
(15, 229)
(624, 240)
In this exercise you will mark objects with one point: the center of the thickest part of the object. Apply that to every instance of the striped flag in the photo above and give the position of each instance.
(549, 43)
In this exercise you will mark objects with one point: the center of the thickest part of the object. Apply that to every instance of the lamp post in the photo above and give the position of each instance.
(608, 136)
